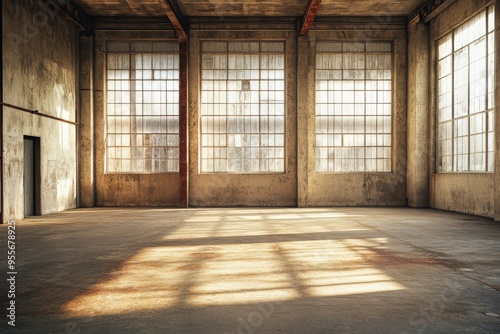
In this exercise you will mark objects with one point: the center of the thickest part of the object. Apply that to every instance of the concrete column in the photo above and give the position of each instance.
(183, 124)
(86, 120)
(418, 116)
(497, 111)
(302, 121)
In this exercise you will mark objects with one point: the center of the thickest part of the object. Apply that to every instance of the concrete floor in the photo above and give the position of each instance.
(228, 271)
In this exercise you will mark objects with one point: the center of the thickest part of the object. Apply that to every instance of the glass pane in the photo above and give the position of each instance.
(445, 46)
(463, 143)
(243, 118)
(142, 131)
(353, 109)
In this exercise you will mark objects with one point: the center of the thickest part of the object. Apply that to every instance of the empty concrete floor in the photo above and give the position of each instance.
(347, 270)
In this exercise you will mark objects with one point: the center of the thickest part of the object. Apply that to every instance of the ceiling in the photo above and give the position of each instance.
(368, 7)
(217, 8)
(142, 8)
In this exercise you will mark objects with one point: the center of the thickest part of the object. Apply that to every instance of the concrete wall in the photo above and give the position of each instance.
(473, 193)
(352, 189)
(39, 73)
(418, 177)
(123, 189)
(86, 175)
(299, 184)
(40, 64)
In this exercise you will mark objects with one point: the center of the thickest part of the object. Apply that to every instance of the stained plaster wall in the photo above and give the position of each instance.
(39, 73)
(472, 193)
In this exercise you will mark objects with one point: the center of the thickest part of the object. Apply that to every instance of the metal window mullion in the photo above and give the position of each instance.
(107, 115)
(364, 116)
(260, 133)
(342, 104)
(335, 117)
(133, 120)
(377, 134)
(487, 99)
(364, 108)
(226, 113)
(469, 87)
(453, 164)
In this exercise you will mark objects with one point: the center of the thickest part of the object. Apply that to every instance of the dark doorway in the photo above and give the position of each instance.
(31, 176)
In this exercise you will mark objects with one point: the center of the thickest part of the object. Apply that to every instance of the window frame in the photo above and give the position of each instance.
(164, 113)
(489, 144)
(284, 79)
(393, 92)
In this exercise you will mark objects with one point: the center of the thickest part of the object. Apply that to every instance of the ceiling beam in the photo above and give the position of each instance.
(71, 12)
(175, 16)
(309, 16)
(429, 10)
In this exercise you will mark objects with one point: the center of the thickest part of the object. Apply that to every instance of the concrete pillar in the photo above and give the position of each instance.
(302, 121)
(418, 116)
(86, 120)
(497, 110)
(183, 124)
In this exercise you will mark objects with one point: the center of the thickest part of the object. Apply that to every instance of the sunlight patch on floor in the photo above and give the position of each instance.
(245, 271)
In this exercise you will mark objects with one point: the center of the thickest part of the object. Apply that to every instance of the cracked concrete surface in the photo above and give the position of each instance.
(349, 270)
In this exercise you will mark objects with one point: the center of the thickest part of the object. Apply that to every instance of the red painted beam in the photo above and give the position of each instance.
(175, 18)
(309, 16)
(183, 123)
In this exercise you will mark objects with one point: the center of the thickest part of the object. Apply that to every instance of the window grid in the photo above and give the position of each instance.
(354, 107)
(142, 107)
(465, 90)
(243, 107)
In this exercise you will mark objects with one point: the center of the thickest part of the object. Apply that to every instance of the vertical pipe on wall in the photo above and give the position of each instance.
(183, 122)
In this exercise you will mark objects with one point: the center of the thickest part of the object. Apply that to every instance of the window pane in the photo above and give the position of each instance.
(465, 136)
(243, 107)
(142, 107)
(353, 107)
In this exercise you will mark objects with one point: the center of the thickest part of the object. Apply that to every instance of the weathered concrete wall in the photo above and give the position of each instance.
(458, 12)
(241, 189)
(473, 193)
(305, 116)
(86, 184)
(39, 66)
(355, 189)
(125, 189)
(418, 116)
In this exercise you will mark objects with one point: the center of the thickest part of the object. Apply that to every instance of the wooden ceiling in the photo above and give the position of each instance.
(272, 8)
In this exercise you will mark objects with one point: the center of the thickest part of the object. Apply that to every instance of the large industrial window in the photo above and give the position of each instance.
(465, 106)
(142, 123)
(353, 107)
(243, 107)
